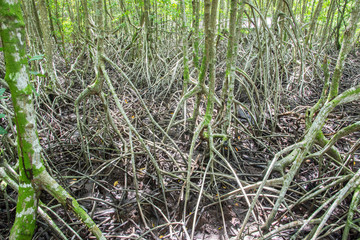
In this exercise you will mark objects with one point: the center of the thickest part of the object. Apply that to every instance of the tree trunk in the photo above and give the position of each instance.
(45, 26)
(228, 84)
(314, 21)
(33, 177)
(185, 47)
(195, 26)
(212, 61)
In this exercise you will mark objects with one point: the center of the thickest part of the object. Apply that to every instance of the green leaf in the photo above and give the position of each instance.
(2, 90)
(2, 131)
(1, 49)
(2, 115)
(37, 57)
(34, 90)
(36, 73)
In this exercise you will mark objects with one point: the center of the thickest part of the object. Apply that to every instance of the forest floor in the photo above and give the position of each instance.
(101, 176)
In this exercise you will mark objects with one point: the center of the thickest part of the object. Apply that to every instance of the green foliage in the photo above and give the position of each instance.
(2, 90)
(2, 131)
(68, 27)
(245, 31)
(34, 90)
(37, 57)
(36, 73)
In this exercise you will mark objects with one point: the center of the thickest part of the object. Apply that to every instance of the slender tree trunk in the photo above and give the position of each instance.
(37, 20)
(45, 26)
(329, 20)
(314, 19)
(185, 47)
(106, 27)
(96, 86)
(60, 28)
(204, 63)
(146, 13)
(86, 20)
(212, 62)
(51, 23)
(195, 26)
(303, 10)
(234, 33)
(31, 34)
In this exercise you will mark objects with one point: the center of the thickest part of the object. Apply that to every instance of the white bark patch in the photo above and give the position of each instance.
(16, 56)
(21, 77)
(34, 140)
(31, 137)
(350, 98)
(28, 211)
(37, 164)
(65, 193)
(11, 2)
(18, 35)
(25, 185)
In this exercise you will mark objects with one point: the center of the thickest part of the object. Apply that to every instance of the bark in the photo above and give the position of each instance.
(45, 27)
(329, 22)
(185, 47)
(195, 26)
(147, 20)
(352, 210)
(204, 63)
(86, 20)
(52, 29)
(313, 21)
(234, 34)
(212, 61)
(37, 20)
(303, 10)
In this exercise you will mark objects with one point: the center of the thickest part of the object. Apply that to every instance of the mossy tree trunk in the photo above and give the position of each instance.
(184, 28)
(45, 27)
(314, 21)
(228, 84)
(212, 61)
(32, 174)
(204, 62)
(12, 36)
(195, 26)
(86, 20)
